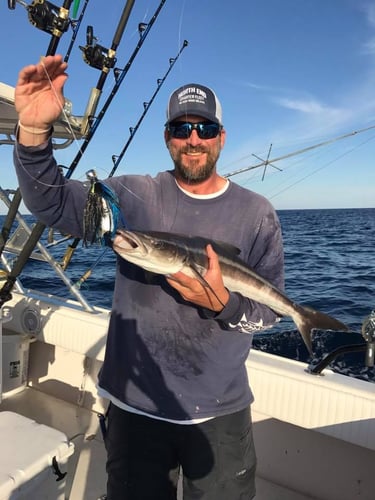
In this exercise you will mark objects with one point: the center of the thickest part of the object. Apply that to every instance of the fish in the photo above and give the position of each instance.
(168, 253)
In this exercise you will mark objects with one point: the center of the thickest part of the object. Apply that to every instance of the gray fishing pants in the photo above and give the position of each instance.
(145, 457)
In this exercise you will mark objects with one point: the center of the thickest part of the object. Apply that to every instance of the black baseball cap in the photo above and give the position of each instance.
(194, 99)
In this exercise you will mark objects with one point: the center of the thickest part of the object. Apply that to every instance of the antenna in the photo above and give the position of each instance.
(267, 162)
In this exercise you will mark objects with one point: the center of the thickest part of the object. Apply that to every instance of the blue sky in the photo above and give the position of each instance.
(289, 73)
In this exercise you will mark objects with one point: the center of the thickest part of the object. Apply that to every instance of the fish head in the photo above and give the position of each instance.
(146, 250)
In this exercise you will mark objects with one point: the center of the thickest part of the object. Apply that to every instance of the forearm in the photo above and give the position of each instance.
(244, 315)
(48, 195)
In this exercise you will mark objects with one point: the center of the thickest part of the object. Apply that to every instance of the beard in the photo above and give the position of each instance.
(193, 171)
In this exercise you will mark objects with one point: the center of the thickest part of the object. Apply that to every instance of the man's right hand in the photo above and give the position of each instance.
(39, 98)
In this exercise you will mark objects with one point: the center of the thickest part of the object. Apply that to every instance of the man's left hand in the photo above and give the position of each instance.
(193, 290)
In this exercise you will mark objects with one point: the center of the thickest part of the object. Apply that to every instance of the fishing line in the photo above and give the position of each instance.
(80, 149)
(105, 70)
(62, 108)
(86, 275)
(38, 229)
(181, 22)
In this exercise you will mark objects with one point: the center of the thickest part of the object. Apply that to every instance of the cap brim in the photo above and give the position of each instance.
(180, 117)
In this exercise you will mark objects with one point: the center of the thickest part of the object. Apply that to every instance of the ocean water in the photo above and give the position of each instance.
(329, 265)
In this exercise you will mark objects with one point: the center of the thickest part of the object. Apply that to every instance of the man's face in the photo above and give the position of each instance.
(194, 158)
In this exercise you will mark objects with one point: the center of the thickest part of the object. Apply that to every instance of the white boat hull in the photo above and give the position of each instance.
(315, 435)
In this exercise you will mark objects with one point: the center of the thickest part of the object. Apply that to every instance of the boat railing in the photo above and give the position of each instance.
(368, 347)
(15, 245)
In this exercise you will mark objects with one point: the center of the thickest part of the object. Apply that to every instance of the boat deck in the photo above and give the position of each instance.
(86, 476)
(314, 435)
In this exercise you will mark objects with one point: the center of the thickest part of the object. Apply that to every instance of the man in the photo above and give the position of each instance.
(174, 369)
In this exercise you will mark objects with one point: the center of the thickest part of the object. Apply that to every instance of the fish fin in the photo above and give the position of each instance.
(204, 282)
(199, 241)
(309, 319)
(225, 248)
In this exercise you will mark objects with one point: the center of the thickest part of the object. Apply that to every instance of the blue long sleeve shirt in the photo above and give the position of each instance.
(165, 356)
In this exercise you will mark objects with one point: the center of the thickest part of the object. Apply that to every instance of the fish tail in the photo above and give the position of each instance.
(309, 319)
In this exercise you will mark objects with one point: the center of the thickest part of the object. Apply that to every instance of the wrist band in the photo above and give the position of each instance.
(34, 130)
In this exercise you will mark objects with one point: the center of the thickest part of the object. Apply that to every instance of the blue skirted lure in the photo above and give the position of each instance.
(101, 214)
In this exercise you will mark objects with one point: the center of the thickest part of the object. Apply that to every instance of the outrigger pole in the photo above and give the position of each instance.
(298, 152)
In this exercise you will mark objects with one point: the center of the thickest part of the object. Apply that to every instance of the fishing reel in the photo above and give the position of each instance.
(48, 17)
(96, 55)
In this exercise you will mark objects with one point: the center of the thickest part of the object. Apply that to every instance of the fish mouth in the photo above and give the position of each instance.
(128, 242)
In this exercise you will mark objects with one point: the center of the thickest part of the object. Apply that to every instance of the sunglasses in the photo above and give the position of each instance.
(183, 130)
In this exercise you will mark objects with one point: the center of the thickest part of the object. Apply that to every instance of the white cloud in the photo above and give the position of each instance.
(309, 106)
(369, 9)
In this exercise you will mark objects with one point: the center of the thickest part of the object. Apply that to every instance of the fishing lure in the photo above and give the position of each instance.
(101, 213)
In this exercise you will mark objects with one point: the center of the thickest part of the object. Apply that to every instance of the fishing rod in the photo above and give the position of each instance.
(76, 23)
(43, 16)
(146, 105)
(75, 8)
(298, 152)
(120, 74)
(47, 17)
(143, 29)
(5, 293)
(99, 57)
(117, 159)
